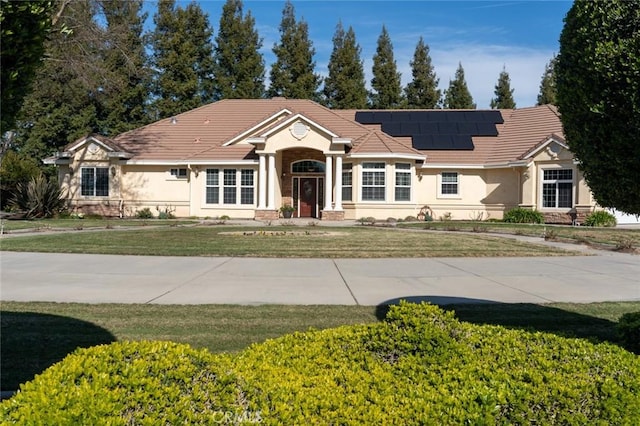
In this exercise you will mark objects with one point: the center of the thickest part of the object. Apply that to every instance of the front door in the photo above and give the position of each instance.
(308, 191)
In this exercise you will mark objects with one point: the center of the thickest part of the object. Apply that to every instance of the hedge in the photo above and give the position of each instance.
(419, 366)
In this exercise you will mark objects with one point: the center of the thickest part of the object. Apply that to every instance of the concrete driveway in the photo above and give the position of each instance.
(221, 280)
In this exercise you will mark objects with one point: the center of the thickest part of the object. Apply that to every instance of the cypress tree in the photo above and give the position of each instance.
(64, 100)
(123, 100)
(457, 96)
(292, 75)
(344, 88)
(503, 92)
(422, 91)
(239, 66)
(547, 93)
(387, 90)
(182, 58)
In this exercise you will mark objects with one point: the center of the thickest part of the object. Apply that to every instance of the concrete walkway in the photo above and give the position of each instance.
(214, 280)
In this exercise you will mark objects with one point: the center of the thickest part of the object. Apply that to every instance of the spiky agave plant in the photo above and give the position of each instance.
(40, 197)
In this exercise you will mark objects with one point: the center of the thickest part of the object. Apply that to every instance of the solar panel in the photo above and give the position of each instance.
(486, 129)
(365, 117)
(435, 129)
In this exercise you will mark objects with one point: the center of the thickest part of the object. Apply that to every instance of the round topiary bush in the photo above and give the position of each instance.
(419, 366)
(600, 218)
(522, 215)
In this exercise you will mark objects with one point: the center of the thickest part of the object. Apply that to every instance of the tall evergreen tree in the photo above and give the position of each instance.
(182, 58)
(457, 96)
(124, 99)
(503, 92)
(387, 90)
(422, 91)
(24, 28)
(344, 88)
(65, 96)
(239, 66)
(547, 93)
(292, 75)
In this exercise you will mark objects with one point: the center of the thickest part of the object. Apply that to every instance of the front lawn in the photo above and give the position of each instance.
(278, 241)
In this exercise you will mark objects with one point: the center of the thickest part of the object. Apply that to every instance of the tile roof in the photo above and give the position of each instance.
(201, 134)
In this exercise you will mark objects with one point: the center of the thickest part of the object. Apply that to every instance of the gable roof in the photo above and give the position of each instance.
(220, 131)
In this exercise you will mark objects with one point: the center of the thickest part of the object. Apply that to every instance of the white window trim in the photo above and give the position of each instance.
(171, 176)
(361, 184)
(556, 181)
(348, 168)
(95, 181)
(410, 171)
(221, 204)
(457, 196)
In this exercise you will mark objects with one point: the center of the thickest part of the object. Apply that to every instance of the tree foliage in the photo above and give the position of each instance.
(24, 27)
(292, 75)
(387, 90)
(598, 95)
(547, 95)
(182, 58)
(422, 91)
(123, 103)
(344, 88)
(63, 103)
(457, 96)
(503, 92)
(239, 66)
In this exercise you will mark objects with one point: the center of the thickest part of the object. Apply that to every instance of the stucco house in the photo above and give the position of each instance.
(247, 158)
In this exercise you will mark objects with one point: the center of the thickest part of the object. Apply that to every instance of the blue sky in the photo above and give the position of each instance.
(484, 35)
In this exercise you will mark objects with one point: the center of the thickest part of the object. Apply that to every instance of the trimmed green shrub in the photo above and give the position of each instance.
(600, 218)
(629, 331)
(419, 366)
(522, 215)
(128, 383)
(144, 213)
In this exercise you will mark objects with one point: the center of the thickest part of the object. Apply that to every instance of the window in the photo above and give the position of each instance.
(347, 182)
(212, 186)
(222, 187)
(373, 181)
(449, 183)
(403, 182)
(307, 166)
(229, 186)
(95, 182)
(246, 187)
(179, 173)
(557, 188)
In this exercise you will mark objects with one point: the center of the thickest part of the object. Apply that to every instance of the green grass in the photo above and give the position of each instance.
(278, 241)
(579, 234)
(10, 226)
(36, 335)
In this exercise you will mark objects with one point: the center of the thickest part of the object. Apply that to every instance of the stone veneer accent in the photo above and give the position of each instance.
(332, 215)
(267, 215)
(564, 218)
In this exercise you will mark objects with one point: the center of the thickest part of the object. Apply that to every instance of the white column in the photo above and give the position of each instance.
(328, 184)
(262, 181)
(271, 190)
(338, 204)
